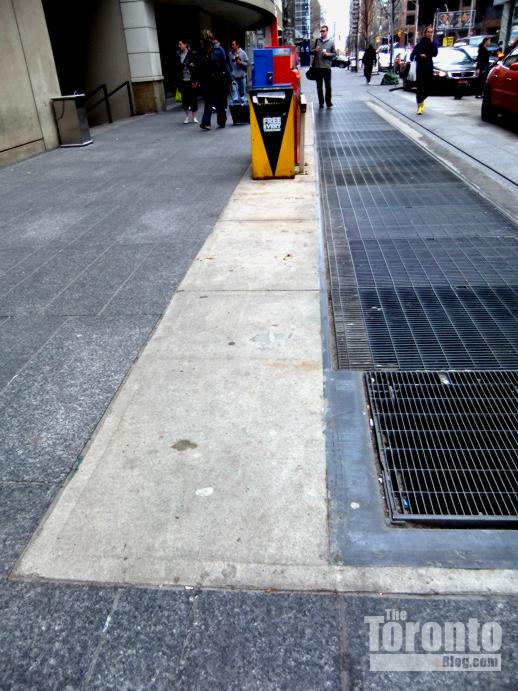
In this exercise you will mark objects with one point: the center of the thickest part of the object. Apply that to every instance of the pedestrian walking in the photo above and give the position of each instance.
(324, 51)
(424, 52)
(184, 81)
(482, 67)
(238, 65)
(213, 75)
(368, 62)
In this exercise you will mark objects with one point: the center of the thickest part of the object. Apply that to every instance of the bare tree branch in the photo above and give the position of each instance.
(368, 12)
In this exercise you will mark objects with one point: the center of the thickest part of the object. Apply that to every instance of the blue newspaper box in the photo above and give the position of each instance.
(262, 73)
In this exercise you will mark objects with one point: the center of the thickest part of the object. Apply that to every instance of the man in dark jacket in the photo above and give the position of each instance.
(324, 52)
(213, 74)
(368, 61)
(424, 53)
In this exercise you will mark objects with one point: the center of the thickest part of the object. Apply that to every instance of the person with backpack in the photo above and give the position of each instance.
(213, 75)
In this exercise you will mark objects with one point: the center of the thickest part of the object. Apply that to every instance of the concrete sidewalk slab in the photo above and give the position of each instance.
(213, 451)
(244, 325)
(255, 257)
(251, 206)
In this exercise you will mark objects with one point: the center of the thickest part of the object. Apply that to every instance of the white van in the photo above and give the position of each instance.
(384, 56)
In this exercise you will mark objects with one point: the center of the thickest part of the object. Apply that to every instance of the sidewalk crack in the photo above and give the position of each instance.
(93, 663)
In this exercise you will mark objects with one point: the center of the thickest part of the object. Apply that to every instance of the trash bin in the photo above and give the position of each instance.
(70, 114)
(272, 131)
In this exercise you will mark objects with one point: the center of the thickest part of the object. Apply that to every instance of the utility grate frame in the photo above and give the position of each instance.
(448, 444)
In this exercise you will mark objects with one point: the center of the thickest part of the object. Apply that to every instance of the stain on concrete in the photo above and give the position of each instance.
(306, 365)
(184, 445)
(229, 572)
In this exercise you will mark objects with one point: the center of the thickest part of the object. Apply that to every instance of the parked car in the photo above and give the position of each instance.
(470, 41)
(453, 72)
(341, 61)
(383, 56)
(474, 42)
(352, 58)
(501, 90)
(399, 54)
(404, 66)
(473, 53)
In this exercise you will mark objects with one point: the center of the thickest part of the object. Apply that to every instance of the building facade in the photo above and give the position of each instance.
(49, 48)
(302, 19)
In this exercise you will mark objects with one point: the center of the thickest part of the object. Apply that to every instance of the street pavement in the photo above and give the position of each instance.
(163, 468)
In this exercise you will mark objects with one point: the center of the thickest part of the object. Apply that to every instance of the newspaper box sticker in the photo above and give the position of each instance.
(272, 124)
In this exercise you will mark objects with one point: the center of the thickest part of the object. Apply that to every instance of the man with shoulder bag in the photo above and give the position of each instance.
(323, 53)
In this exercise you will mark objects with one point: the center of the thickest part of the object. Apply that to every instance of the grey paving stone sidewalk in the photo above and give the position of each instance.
(55, 636)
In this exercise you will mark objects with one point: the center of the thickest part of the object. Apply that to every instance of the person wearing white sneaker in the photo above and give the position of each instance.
(184, 82)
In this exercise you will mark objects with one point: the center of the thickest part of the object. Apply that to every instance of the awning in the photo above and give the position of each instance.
(245, 14)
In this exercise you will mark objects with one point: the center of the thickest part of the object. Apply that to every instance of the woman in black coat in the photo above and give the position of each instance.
(424, 53)
(482, 65)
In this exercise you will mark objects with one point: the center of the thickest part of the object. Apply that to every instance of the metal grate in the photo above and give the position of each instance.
(435, 328)
(423, 271)
(448, 443)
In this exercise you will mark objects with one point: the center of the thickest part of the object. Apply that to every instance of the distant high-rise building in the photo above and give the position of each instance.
(302, 19)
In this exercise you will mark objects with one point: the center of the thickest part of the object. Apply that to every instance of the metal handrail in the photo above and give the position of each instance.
(106, 98)
(130, 97)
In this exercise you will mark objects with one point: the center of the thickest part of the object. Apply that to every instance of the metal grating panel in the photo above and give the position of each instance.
(448, 443)
(440, 328)
(423, 271)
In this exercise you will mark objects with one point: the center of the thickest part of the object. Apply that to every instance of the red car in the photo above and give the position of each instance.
(501, 89)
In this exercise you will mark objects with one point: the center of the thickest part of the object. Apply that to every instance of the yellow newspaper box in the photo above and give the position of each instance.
(272, 130)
